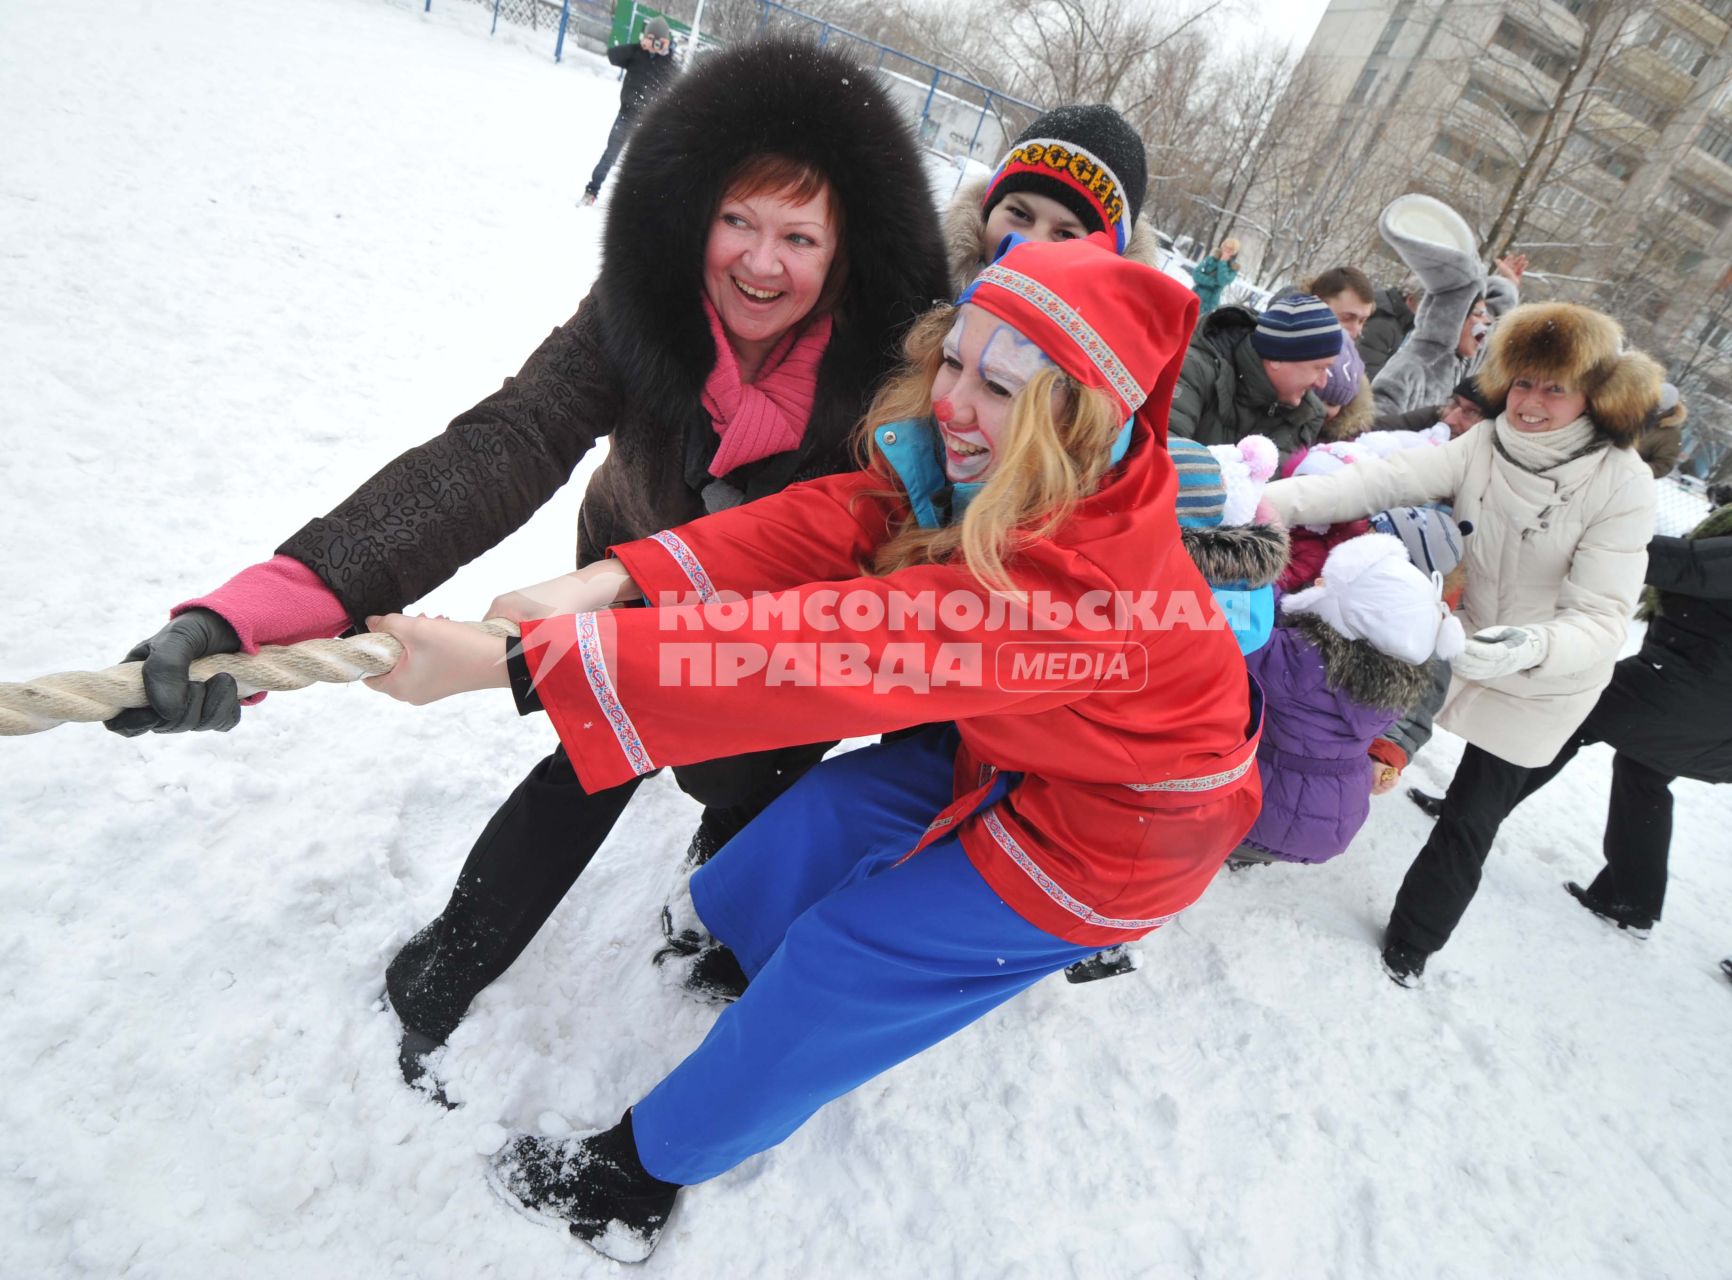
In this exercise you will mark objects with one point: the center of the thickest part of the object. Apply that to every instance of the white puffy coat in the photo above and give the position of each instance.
(1563, 553)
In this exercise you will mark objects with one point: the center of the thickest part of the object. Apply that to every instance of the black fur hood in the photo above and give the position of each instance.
(771, 95)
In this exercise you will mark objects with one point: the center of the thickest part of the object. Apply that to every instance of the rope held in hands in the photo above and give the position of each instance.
(84, 696)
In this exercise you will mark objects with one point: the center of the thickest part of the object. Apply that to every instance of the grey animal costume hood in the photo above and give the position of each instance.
(1439, 247)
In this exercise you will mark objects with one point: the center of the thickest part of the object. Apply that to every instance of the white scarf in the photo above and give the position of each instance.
(1541, 451)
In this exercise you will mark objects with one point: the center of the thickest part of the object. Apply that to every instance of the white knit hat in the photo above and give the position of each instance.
(1246, 468)
(1372, 592)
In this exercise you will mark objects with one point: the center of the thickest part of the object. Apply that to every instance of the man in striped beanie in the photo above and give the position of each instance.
(1251, 374)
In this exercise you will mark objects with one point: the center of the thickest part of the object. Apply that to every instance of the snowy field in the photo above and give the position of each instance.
(248, 252)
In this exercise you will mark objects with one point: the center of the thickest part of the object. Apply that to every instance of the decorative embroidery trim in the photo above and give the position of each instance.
(601, 684)
(1051, 887)
(1208, 782)
(1056, 309)
(689, 564)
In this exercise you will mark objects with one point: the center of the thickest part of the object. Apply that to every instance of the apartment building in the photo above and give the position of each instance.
(1633, 211)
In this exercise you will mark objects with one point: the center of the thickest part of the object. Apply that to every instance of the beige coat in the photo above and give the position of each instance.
(1563, 553)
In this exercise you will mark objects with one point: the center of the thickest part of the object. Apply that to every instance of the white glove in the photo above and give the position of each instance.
(1499, 651)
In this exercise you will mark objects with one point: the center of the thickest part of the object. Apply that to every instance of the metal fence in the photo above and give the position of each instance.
(951, 113)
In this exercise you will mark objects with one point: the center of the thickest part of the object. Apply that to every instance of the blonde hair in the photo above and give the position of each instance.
(1233, 251)
(1047, 462)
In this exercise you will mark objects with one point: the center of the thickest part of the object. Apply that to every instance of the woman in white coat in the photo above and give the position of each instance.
(1562, 510)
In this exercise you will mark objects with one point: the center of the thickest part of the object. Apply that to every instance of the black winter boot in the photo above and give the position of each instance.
(1405, 965)
(1431, 806)
(1104, 964)
(597, 1186)
(715, 829)
(1639, 924)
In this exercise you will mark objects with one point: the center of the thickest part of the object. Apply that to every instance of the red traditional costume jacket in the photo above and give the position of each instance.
(1119, 694)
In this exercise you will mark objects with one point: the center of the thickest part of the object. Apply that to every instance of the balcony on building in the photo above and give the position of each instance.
(1654, 74)
(1476, 115)
(1709, 22)
(1522, 80)
(1706, 170)
(1552, 17)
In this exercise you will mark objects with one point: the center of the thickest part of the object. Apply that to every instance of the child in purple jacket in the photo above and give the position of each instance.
(1349, 655)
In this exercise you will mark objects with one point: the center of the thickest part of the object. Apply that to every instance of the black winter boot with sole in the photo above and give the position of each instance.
(596, 1186)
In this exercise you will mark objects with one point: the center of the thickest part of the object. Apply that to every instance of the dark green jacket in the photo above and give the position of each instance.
(1224, 395)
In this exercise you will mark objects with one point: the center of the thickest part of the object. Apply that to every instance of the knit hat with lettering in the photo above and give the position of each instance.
(1297, 328)
(1088, 158)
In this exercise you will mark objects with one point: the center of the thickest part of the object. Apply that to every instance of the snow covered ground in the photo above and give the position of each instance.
(250, 250)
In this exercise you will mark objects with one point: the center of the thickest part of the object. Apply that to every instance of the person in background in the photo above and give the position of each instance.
(649, 68)
(1214, 273)
(1348, 293)
(1074, 171)
(1348, 406)
(1667, 714)
(1562, 511)
(1248, 374)
(1389, 324)
(1466, 407)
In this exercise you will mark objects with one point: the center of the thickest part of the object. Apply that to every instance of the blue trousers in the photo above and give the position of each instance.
(857, 960)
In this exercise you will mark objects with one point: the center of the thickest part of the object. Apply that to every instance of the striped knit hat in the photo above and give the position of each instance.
(1297, 328)
(1202, 497)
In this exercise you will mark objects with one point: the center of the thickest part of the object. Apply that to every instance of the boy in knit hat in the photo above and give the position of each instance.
(1247, 374)
(1350, 654)
(1074, 171)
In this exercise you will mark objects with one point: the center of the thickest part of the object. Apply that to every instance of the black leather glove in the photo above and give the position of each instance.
(177, 702)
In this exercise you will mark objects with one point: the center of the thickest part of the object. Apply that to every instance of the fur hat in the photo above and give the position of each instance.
(1371, 591)
(1088, 158)
(1579, 348)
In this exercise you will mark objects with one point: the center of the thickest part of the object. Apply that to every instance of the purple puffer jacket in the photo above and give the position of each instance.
(1316, 774)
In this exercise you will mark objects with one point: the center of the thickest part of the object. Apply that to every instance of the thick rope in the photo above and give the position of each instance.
(86, 696)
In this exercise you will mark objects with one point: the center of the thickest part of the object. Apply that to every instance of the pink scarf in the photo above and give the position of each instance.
(757, 419)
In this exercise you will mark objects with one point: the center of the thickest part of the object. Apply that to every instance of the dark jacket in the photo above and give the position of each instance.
(1670, 706)
(1385, 331)
(1224, 395)
(631, 364)
(646, 75)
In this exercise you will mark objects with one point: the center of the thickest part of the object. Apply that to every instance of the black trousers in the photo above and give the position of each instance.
(527, 858)
(1638, 837)
(616, 139)
(1445, 875)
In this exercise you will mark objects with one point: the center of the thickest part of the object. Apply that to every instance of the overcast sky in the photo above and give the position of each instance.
(1284, 20)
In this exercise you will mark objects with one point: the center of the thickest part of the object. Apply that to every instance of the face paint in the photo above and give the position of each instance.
(986, 362)
(1010, 360)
